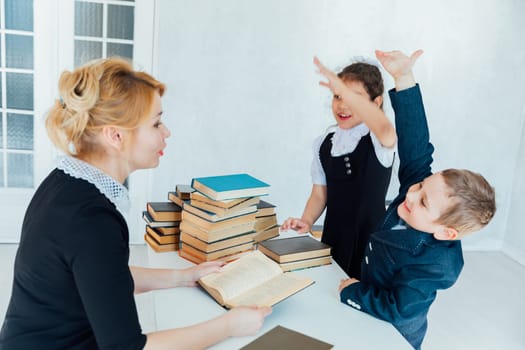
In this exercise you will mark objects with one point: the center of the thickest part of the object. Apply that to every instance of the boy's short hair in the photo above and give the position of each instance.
(473, 201)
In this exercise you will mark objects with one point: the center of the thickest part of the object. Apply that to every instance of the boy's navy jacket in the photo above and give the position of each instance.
(403, 268)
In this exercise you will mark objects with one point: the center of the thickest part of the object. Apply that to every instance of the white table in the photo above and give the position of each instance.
(315, 311)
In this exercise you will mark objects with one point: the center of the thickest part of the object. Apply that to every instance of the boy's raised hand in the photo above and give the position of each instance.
(399, 66)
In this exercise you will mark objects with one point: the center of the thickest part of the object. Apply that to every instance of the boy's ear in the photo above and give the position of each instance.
(444, 233)
(378, 101)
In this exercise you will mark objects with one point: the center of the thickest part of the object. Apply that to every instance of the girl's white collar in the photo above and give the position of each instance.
(345, 141)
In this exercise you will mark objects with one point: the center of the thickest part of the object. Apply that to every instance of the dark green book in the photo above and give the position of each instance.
(264, 208)
(295, 248)
(164, 211)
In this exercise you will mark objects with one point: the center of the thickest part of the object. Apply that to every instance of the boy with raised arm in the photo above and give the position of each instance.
(417, 249)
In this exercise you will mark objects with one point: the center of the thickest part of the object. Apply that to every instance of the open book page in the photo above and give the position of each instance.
(242, 275)
(271, 291)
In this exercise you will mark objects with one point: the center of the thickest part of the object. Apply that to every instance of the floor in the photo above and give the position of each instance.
(483, 310)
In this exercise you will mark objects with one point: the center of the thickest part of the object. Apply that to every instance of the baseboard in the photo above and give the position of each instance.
(514, 253)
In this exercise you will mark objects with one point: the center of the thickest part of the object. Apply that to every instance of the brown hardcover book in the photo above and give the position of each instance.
(184, 254)
(211, 236)
(306, 263)
(162, 238)
(280, 337)
(253, 279)
(317, 231)
(265, 222)
(164, 211)
(228, 258)
(227, 203)
(168, 230)
(172, 196)
(184, 191)
(160, 248)
(214, 217)
(263, 235)
(223, 212)
(265, 209)
(217, 245)
(218, 225)
(218, 253)
(152, 223)
(295, 248)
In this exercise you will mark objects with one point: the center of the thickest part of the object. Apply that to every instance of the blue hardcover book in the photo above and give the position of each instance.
(230, 186)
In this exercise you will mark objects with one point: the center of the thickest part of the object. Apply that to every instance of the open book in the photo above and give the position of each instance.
(253, 279)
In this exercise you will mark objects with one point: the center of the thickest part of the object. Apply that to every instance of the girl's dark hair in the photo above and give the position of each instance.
(367, 74)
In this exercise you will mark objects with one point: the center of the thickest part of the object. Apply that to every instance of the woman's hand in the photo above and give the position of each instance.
(190, 276)
(246, 320)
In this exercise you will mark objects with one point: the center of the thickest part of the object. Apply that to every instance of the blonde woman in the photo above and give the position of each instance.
(73, 288)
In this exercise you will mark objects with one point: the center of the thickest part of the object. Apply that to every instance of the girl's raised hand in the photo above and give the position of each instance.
(335, 84)
(396, 63)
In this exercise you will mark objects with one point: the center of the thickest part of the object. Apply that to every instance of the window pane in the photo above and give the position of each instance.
(122, 50)
(86, 51)
(1, 130)
(19, 51)
(120, 22)
(19, 131)
(19, 14)
(19, 90)
(19, 170)
(88, 19)
(1, 169)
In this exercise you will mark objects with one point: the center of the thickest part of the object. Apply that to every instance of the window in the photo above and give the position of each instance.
(102, 29)
(17, 100)
(34, 50)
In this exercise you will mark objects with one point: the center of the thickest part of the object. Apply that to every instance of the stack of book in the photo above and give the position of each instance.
(162, 225)
(181, 194)
(296, 252)
(266, 226)
(218, 220)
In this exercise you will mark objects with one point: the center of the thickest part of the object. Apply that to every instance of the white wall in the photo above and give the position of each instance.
(243, 95)
(514, 241)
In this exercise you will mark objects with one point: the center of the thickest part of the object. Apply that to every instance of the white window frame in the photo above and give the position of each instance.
(14, 201)
(53, 53)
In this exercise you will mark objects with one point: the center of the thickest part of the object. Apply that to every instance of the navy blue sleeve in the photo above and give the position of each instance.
(99, 263)
(414, 289)
(413, 142)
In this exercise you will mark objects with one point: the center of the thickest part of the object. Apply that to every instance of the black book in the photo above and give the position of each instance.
(295, 248)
